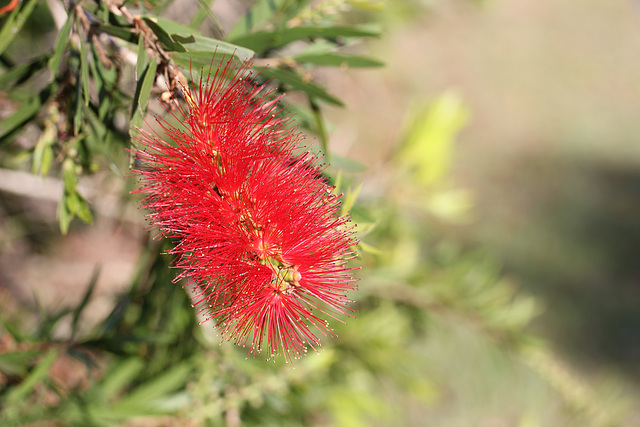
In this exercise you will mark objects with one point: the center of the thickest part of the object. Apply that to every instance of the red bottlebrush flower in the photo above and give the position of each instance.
(257, 229)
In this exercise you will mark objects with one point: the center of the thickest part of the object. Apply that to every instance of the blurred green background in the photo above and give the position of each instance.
(499, 211)
(550, 153)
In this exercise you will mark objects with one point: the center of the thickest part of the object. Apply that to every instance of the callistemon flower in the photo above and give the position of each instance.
(258, 233)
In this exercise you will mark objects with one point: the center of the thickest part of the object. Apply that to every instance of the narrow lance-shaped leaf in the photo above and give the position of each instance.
(39, 373)
(297, 83)
(25, 112)
(84, 70)
(123, 33)
(193, 42)
(260, 12)
(164, 37)
(61, 44)
(143, 90)
(64, 216)
(21, 73)
(350, 199)
(159, 386)
(120, 375)
(265, 40)
(320, 127)
(17, 362)
(142, 59)
(43, 151)
(14, 23)
(196, 60)
(203, 12)
(85, 300)
(78, 102)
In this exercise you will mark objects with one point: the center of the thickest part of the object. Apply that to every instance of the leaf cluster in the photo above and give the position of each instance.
(149, 358)
(108, 64)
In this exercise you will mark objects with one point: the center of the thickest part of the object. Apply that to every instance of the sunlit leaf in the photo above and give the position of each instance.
(43, 151)
(163, 36)
(350, 199)
(429, 141)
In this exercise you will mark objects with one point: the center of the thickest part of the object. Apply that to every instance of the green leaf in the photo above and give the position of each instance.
(163, 36)
(73, 203)
(85, 300)
(124, 33)
(84, 70)
(172, 27)
(142, 59)
(77, 205)
(262, 41)
(198, 60)
(321, 130)
(297, 83)
(14, 23)
(350, 199)
(194, 43)
(25, 112)
(77, 116)
(43, 151)
(453, 205)
(365, 247)
(346, 164)
(338, 60)
(82, 210)
(143, 90)
(261, 12)
(95, 127)
(15, 332)
(98, 137)
(428, 145)
(17, 363)
(203, 11)
(69, 176)
(121, 375)
(61, 43)
(142, 397)
(207, 44)
(23, 72)
(39, 373)
(47, 160)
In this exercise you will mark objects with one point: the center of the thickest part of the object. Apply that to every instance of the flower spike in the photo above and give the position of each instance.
(258, 232)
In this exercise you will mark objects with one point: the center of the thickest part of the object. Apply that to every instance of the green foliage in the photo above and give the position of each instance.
(15, 22)
(149, 358)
